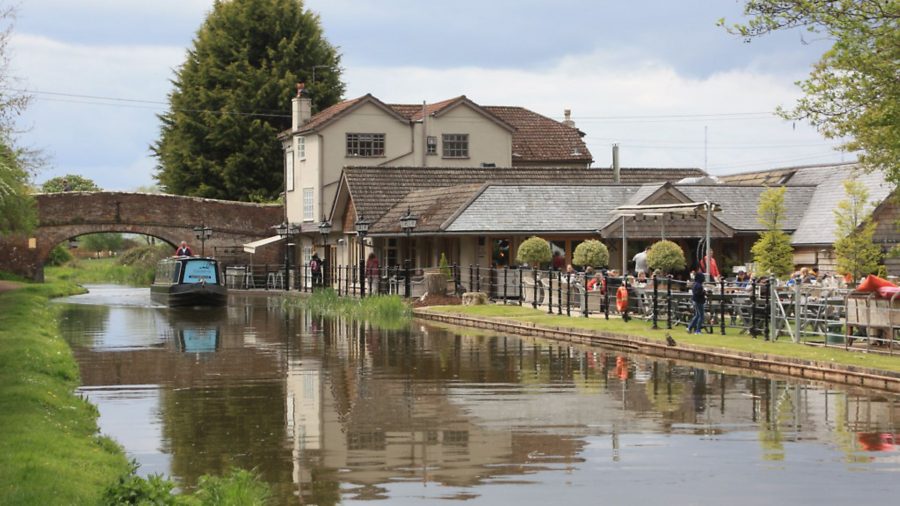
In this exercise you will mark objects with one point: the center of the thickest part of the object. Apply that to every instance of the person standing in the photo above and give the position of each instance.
(698, 297)
(713, 271)
(315, 269)
(372, 272)
(183, 250)
(640, 263)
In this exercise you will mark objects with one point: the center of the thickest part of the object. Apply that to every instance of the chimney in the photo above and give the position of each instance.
(568, 121)
(616, 173)
(301, 108)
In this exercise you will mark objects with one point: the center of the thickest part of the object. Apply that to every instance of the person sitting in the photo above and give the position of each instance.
(641, 278)
(184, 250)
(742, 280)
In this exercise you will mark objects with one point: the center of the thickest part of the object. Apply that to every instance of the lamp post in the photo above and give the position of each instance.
(362, 228)
(286, 230)
(324, 231)
(408, 224)
(202, 233)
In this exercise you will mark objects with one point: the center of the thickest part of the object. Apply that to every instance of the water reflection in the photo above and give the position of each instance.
(333, 411)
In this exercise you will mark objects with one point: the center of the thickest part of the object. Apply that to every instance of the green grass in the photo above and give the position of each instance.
(383, 311)
(134, 267)
(731, 341)
(50, 451)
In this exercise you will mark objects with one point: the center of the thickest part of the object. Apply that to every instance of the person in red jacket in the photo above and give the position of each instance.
(184, 250)
(713, 273)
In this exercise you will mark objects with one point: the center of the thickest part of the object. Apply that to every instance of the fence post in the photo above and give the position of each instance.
(408, 282)
(535, 278)
(769, 311)
(550, 292)
(477, 278)
(568, 294)
(655, 295)
(797, 314)
(669, 301)
(606, 295)
(471, 278)
(521, 286)
(722, 308)
(559, 292)
(584, 309)
(505, 283)
(625, 316)
(362, 279)
(753, 308)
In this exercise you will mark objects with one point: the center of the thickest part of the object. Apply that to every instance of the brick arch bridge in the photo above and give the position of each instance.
(171, 218)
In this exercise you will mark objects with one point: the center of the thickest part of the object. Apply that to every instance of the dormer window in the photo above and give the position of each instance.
(365, 145)
(456, 145)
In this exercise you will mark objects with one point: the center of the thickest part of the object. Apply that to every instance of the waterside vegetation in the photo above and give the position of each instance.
(383, 311)
(135, 267)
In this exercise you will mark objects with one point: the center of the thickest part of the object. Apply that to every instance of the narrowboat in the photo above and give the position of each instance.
(189, 281)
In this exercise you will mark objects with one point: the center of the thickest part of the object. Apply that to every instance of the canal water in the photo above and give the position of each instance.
(330, 412)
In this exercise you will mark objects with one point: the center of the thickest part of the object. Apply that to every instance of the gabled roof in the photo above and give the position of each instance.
(535, 138)
(375, 190)
(341, 109)
(740, 203)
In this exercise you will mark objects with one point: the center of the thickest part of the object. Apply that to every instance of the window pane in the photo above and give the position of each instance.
(370, 145)
(456, 145)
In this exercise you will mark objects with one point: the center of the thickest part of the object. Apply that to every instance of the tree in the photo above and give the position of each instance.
(855, 251)
(591, 252)
(102, 242)
(772, 252)
(232, 97)
(74, 182)
(17, 211)
(853, 91)
(666, 256)
(534, 251)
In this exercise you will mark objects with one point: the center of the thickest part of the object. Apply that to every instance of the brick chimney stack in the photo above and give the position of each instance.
(301, 109)
(568, 121)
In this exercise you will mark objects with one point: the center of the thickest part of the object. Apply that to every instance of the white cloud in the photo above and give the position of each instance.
(599, 85)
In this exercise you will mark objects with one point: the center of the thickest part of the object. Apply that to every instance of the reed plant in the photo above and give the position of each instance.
(383, 311)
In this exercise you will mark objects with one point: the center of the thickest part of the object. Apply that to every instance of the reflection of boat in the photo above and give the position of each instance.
(188, 281)
(197, 329)
(199, 340)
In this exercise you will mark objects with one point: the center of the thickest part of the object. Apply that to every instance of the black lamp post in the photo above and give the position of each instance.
(202, 233)
(408, 224)
(362, 228)
(286, 230)
(324, 231)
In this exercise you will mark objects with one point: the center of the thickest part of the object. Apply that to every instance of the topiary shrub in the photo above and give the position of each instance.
(534, 251)
(444, 267)
(666, 256)
(591, 253)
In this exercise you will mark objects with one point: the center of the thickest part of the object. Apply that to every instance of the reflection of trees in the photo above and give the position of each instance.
(80, 323)
(203, 427)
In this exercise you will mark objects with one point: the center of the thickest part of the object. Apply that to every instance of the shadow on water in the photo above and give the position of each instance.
(331, 410)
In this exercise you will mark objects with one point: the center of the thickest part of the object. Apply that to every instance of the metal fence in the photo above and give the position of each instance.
(804, 313)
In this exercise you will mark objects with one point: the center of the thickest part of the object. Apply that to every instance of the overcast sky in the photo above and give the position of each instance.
(654, 76)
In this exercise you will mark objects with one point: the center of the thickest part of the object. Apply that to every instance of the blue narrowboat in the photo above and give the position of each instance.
(189, 281)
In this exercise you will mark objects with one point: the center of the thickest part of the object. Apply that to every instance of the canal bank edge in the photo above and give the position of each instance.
(887, 381)
(50, 449)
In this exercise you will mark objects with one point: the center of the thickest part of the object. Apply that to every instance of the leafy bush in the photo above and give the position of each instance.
(591, 253)
(132, 489)
(238, 488)
(444, 266)
(59, 255)
(533, 251)
(666, 256)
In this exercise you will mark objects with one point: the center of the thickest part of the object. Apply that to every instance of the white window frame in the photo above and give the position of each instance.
(289, 170)
(431, 143)
(301, 147)
(455, 146)
(365, 145)
(308, 201)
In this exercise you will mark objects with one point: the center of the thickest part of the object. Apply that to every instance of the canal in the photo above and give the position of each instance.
(330, 411)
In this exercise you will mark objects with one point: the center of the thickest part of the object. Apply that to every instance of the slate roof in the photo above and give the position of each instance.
(375, 190)
(818, 224)
(740, 203)
(528, 208)
(432, 207)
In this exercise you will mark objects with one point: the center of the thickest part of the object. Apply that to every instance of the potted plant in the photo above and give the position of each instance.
(666, 256)
(591, 253)
(534, 251)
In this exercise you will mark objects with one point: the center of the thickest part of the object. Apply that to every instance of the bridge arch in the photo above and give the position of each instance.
(171, 218)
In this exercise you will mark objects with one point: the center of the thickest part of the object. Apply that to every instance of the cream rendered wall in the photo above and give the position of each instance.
(488, 141)
(293, 204)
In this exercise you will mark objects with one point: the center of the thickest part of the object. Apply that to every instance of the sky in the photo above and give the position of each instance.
(658, 77)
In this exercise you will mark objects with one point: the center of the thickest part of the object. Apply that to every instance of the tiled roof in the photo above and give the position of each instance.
(571, 208)
(535, 139)
(541, 139)
(432, 207)
(781, 176)
(375, 190)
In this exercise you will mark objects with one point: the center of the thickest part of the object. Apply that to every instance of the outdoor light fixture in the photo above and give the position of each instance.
(362, 228)
(202, 233)
(408, 223)
(286, 230)
(325, 231)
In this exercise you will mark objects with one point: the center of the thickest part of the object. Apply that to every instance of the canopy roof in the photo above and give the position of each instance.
(662, 209)
(250, 247)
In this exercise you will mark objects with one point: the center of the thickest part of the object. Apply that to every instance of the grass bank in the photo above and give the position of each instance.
(134, 267)
(50, 451)
(383, 311)
(732, 340)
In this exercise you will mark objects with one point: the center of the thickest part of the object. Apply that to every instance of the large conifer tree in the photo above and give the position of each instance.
(232, 97)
